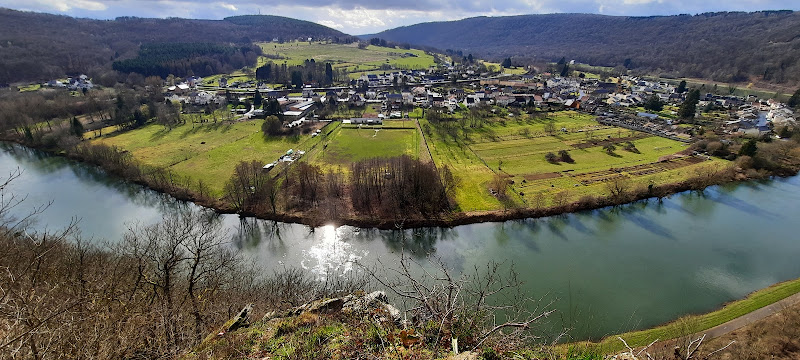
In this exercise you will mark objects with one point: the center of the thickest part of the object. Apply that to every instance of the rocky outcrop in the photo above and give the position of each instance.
(360, 303)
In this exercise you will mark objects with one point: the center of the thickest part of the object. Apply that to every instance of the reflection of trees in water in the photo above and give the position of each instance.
(46, 164)
(36, 160)
(696, 203)
(419, 243)
(253, 233)
(525, 231)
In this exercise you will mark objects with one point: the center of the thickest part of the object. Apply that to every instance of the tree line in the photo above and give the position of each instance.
(296, 75)
(398, 188)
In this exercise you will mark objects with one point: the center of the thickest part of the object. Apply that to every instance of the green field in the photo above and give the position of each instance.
(511, 149)
(515, 149)
(205, 152)
(346, 145)
(347, 58)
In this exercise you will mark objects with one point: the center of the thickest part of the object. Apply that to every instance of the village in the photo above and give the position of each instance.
(618, 100)
(527, 136)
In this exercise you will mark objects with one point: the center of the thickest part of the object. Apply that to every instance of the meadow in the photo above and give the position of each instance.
(347, 144)
(207, 152)
(347, 58)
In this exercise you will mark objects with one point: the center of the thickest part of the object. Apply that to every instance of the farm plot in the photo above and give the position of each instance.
(637, 170)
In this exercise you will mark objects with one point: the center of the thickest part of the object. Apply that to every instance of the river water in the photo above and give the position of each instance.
(608, 270)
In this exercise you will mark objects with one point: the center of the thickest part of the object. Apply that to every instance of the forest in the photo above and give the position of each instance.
(186, 59)
(733, 47)
(40, 47)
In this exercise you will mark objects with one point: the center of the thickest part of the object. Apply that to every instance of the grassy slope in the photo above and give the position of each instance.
(346, 57)
(182, 150)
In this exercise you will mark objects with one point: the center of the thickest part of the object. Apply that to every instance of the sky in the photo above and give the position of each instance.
(358, 17)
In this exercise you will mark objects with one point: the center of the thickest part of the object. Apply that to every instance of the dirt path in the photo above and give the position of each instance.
(750, 318)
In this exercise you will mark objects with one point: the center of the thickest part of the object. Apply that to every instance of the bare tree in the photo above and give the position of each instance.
(465, 308)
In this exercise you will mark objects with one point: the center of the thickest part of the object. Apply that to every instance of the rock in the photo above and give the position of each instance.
(241, 319)
(318, 306)
(467, 355)
(369, 302)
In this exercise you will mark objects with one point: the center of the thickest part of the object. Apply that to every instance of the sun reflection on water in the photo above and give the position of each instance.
(331, 254)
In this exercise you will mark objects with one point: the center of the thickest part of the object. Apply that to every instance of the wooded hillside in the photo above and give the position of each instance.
(727, 47)
(35, 46)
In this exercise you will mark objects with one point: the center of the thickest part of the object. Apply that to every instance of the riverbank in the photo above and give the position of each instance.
(735, 314)
(123, 166)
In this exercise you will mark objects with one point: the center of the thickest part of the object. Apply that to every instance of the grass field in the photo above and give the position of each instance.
(347, 58)
(207, 152)
(346, 145)
(516, 150)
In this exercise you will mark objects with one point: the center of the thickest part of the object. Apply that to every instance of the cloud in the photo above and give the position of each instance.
(63, 5)
(230, 7)
(369, 16)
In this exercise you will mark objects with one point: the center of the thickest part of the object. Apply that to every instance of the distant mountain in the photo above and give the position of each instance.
(728, 47)
(36, 46)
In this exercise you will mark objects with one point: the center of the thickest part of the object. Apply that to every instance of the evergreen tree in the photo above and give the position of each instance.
(506, 63)
(689, 107)
(654, 103)
(681, 87)
(257, 99)
(749, 148)
(297, 79)
(76, 127)
(328, 73)
(565, 71)
(794, 101)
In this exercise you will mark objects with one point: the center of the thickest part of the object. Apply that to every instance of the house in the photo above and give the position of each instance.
(201, 98)
(394, 99)
(357, 101)
(309, 93)
(364, 121)
(471, 101)
(408, 98)
(504, 100)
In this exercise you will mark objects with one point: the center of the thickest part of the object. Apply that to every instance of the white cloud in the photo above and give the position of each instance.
(60, 5)
(331, 24)
(230, 7)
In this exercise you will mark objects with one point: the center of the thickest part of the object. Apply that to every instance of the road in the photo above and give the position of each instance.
(248, 114)
(750, 318)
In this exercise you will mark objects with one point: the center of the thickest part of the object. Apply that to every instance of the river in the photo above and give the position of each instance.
(609, 270)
